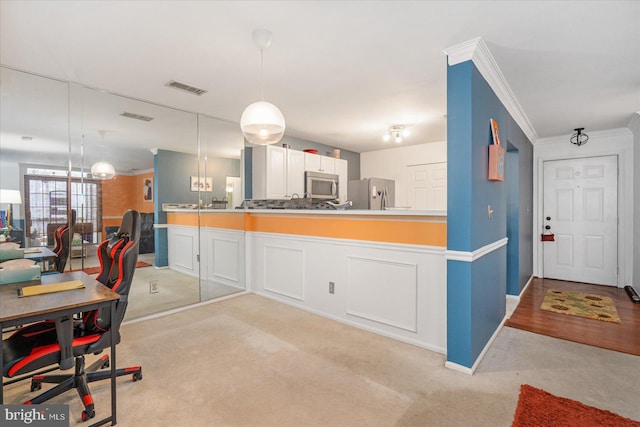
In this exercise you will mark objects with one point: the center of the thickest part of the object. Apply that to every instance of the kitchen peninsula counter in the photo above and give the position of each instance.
(390, 226)
(389, 212)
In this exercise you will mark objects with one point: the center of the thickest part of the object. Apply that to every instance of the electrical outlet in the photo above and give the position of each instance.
(153, 286)
(332, 287)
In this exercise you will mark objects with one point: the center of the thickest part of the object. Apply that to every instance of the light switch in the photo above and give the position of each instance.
(489, 212)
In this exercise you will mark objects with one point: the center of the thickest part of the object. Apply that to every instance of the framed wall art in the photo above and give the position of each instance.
(201, 184)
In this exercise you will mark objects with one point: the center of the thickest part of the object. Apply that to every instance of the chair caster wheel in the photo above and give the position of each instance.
(137, 377)
(36, 386)
(105, 364)
(88, 414)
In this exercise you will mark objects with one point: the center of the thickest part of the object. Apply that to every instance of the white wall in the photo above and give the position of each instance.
(634, 125)
(601, 143)
(391, 163)
(10, 180)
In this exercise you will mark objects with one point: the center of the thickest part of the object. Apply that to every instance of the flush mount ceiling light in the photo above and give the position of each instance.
(103, 169)
(262, 123)
(579, 138)
(397, 132)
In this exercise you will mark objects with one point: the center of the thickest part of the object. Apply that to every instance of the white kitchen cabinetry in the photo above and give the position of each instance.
(277, 172)
(317, 163)
(342, 171)
(295, 173)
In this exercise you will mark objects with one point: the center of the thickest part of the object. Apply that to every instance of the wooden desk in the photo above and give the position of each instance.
(61, 306)
(46, 256)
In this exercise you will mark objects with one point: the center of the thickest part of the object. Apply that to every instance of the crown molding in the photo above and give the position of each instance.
(598, 134)
(477, 51)
(634, 123)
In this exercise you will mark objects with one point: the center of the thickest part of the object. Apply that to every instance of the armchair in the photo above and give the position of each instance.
(62, 242)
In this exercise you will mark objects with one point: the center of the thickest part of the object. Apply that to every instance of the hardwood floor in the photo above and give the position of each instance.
(623, 337)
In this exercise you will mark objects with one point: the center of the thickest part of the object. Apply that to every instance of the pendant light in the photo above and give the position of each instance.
(103, 169)
(262, 123)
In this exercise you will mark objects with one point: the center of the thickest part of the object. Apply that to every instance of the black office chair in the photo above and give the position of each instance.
(36, 346)
(62, 242)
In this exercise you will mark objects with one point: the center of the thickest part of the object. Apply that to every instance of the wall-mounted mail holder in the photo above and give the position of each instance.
(548, 237)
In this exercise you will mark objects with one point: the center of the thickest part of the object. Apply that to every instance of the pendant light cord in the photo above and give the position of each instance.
(261, 74)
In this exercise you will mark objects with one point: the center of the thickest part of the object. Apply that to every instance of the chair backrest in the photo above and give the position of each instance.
(62, 237)
(118, 257)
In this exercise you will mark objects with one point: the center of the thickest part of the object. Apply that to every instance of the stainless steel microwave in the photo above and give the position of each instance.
(321, 185)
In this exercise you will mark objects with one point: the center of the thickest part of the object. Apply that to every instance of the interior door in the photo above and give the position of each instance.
(428, 186)
(581, 210)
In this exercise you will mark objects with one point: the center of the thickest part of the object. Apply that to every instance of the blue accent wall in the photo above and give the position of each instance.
(171, 180)
(172, 184)
(476, 291)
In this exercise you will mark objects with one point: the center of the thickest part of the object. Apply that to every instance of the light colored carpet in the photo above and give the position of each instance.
(250, 361)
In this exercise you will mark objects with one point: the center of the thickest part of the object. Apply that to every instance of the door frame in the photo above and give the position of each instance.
(601, 143)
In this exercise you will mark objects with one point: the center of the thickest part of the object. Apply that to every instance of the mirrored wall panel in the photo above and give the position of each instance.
(81, 156)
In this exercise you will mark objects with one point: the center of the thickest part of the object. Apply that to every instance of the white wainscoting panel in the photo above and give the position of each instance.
(223, 256)
(395, 290)
(383, 291)
(284, 271)
(225, 259)
(183, 249)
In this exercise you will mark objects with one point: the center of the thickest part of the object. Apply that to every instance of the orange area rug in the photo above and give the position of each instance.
(538, 408)
(96, 270)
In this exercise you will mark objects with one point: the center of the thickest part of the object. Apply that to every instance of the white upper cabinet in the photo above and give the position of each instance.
(295, 173)
(342, 171)
(317, 163)
(277, 172)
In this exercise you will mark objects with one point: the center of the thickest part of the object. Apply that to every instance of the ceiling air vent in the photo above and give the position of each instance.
(137, 116)
(185, 87)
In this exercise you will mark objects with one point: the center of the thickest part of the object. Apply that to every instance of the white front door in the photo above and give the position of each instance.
(581, 210)
(428, 186)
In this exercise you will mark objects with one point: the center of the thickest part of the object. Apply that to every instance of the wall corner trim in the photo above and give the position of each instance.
(476, 50)
(459, 368)
(634, 123)
(478, 253)
(472, 369)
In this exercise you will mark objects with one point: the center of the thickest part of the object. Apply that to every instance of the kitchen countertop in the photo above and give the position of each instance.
(347, 212)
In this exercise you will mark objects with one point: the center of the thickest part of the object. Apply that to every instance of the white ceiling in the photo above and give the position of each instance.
(341, 72)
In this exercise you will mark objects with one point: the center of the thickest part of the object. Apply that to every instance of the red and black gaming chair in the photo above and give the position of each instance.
(36, 346)
(62, 242)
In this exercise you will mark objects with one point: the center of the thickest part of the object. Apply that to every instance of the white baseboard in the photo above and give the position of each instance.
(184, 308)
(472, 370)
(417, 343)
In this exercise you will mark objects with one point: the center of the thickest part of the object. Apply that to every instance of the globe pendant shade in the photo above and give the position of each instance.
(103, 170)
(262, 123)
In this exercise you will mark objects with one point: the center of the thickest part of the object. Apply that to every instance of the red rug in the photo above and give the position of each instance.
(96, 270)
(538, 408)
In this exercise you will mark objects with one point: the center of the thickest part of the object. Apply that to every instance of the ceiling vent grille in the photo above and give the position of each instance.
(185, 87)
(137, 116)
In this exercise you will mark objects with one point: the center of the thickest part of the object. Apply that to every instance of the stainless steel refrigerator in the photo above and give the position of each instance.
(372, 193)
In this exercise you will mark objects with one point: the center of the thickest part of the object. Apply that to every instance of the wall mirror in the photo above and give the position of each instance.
(51, 134)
